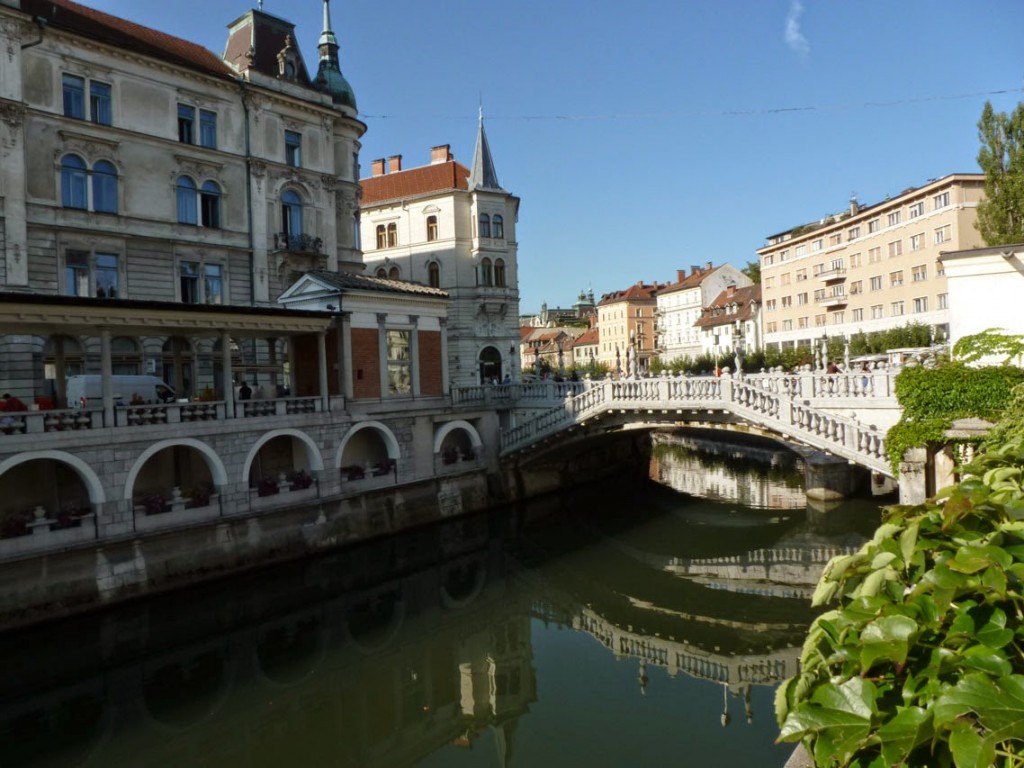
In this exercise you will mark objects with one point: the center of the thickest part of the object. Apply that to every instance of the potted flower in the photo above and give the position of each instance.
(267, 487)
(300, 480)
(154, 503)
(199, 496)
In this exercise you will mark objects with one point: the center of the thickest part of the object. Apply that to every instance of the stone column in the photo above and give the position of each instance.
(414, 354)
(229, 376)
(345, 354)
(106, 379)
(829, 478)
(321, 355)
(445, 382)
(914, 476)
(382, 351)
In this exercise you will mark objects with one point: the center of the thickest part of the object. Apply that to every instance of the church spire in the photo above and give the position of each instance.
(328, 76)
(483, 176)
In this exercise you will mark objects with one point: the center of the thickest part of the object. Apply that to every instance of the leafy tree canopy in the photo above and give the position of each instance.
(1001, 158)
(753, 270)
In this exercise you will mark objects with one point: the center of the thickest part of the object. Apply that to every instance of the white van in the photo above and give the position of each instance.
(88, 390)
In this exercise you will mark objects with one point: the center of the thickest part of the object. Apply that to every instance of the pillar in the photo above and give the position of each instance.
(414, 354)
(229, 376)
(828, 478)
(445, 381)
(345, 355)
(321, 355)
(106, 379)
(914, 476)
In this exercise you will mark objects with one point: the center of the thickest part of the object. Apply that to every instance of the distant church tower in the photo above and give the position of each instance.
(452, 227)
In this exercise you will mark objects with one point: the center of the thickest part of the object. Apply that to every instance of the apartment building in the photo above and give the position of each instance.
(682, 304)
(869, 268)
(625, 320)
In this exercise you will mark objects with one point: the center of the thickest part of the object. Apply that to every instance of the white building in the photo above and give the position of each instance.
(681, 304)
(985, 286)
(454, 228)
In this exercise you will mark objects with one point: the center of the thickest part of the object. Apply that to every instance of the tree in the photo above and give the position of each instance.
(753, 271)
(1001, 157)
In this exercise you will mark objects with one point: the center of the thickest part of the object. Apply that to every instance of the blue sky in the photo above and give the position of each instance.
(651, 136)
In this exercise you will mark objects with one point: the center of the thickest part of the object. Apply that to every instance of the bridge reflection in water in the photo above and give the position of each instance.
(615, 627)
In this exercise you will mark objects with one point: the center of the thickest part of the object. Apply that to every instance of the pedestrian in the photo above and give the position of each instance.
(244, 391)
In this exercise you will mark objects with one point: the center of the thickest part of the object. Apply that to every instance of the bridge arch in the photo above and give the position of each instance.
(83, 470)
(313, 456)
(218, 473)
(379, 430)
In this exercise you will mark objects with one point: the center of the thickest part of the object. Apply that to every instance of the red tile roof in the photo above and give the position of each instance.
(102, 27)
(439, 177)
(592, 336)
(743, 298)
(694, 279)
(638, 292)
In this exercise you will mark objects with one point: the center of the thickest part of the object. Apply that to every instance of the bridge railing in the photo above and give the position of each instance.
(789, 404)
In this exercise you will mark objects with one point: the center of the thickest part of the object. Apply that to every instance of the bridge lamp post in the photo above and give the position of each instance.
(824, 351)
(738, 346)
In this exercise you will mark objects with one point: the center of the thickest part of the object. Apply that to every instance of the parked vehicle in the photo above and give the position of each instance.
(87, 390)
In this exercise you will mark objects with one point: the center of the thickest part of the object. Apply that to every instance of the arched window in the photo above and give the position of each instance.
(381, 272)
(392, 235)
(104, 187)
(485, 225)
(499, 226)
(73, 190)
(434, 274)
(186, 196)
(382, 237)
(291, 216)
(431, 228)
(209, 204)
(486, 274)
(394, 274)
(499, 273)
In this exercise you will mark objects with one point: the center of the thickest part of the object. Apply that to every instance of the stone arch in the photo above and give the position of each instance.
(84, 471)
(395, 620)
(213, 461)
(472, 575)
(390, 441)
(302, 637)
(316, 461)
(200, 678)
(451, 426)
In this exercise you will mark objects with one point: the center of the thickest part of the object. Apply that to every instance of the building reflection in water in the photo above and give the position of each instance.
(384, 654)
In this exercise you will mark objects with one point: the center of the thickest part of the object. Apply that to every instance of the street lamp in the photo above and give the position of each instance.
(737, 345)
(824, 351)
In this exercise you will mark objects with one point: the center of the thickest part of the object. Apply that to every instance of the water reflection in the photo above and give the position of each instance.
(618, 626)
(756, 473)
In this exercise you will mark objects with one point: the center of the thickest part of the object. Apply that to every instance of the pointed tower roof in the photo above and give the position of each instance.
(483, 176)
(328, 76)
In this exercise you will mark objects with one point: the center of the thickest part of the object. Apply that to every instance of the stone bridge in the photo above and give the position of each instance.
(846, 415)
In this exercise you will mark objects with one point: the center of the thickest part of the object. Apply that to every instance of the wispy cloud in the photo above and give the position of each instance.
(794, 37)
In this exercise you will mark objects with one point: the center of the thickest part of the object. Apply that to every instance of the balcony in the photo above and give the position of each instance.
(831, 300)
(303, 243)
(829, 275)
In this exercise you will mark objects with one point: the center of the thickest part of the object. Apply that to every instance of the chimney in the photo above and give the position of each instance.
(694, 270)
(730, 290)
(394, 163)
(377, 167)
(854, 206)
(440, 154)
(708, 267)
(680, 274)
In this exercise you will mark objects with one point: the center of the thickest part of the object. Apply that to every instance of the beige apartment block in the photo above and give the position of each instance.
(870, 268)
(626, 320)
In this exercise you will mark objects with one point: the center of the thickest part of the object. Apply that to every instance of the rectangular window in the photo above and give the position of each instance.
(784, 280)
(769, 260)
(942, 235)
(943, 301)
(76, 266)
(74, 97)
(897, 308)
(856, 287)
(895, 248)
(186, 124)
(894, 218)
(816, 245)
(853, 233)
(106, 276)
(213, 285)
(801, 299)
(787, 301)
(876, 312)
(874, 255)
(801, 274)
(787, 325)
(874, 225)
(770, 328)
(838, 318)
(941, 200)
(857, 315)
(919, 273)
(917, 242)
(99, 103)
(835, 239)
(917, 209)
(819, 321)
(188, 280)
(876, 283)
(940, 269)
(770, 305)
(293, 149)
(801, 322)
(896, 279)
(783, 255)
(855, 260)
(769, 282)
(208, 128)
(399, 363)
(921, 304)
(800, 250)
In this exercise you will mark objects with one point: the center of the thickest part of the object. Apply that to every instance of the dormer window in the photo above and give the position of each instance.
(287, 60)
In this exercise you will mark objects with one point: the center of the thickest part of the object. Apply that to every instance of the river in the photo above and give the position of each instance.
(631, 624)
